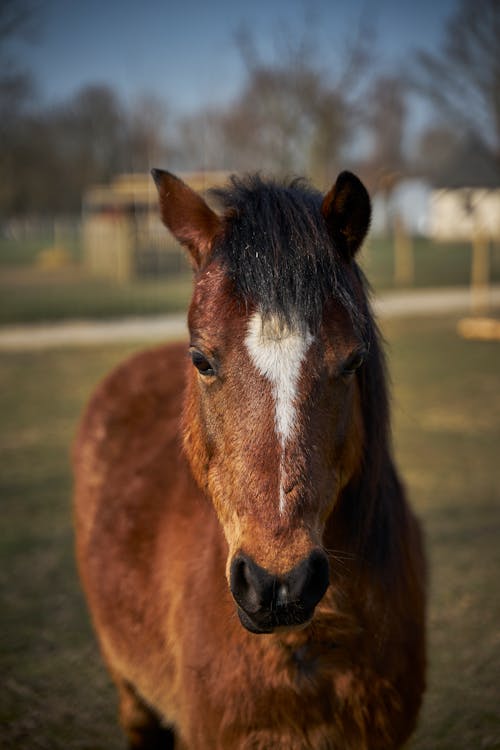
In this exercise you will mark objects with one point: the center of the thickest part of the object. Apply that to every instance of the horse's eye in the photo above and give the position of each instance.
(201, 363)
(353, 363)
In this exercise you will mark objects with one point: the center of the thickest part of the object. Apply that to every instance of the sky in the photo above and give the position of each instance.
(184, 51)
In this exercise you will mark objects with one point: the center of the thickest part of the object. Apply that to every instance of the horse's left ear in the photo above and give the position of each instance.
(187, 216)
(347, 211)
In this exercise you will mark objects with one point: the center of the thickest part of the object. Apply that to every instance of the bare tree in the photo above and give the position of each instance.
(386, 120)
(274, 121)
(291, 116)
(385, 114)
(146, 137)
(436, 148)
(463, 78)
(88, 134)
(18, 18)
(200, 144)
(449, 159)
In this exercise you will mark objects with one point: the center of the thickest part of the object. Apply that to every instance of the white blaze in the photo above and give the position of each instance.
(277, 352)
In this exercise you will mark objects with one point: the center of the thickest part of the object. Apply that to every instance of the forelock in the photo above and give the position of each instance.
(277, 250)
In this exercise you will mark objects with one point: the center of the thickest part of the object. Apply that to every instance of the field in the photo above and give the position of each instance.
(29, 296)
(446, 403)
(32, 292)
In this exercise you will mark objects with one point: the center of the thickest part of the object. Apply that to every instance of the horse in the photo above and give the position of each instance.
(255, 575)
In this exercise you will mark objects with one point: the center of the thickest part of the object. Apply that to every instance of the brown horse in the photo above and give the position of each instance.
(254, 573)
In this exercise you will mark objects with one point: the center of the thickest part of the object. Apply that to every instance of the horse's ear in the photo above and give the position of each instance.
(187, 215)
(347, 212)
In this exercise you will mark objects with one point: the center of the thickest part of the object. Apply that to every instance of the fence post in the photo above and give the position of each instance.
(480, 273)
(109, 246)
(124, 249)
(404, 266)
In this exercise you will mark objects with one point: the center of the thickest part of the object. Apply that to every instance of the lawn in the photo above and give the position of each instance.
(446, 404)
(29, 293)
(436, 263)
(27, 296)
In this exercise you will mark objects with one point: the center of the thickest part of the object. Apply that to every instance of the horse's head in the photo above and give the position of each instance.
(273, 425)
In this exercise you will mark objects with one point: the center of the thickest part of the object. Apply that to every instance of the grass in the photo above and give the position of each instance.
(53, 684)
(30, 296)
(436, 264)
(29, 293)
(27, 251)
(447, 433)
(56, 694)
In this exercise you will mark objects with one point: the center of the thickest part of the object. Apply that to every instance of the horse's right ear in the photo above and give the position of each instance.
(187, 216)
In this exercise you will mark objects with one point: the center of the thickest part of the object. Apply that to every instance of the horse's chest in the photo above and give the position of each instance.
(270, 687)
(295, 697)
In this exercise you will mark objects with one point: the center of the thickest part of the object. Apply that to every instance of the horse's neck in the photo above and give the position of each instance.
(363, 520)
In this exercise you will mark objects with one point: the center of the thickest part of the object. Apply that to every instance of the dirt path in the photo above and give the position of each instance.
(89, 332)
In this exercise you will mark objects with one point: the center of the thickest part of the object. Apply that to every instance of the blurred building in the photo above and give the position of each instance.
(444, 214)
(409, 203)
(123, 236)
(463, 213)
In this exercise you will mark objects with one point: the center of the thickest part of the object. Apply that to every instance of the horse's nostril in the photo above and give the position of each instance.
(239, 575)
(309, 581)
(244, 583)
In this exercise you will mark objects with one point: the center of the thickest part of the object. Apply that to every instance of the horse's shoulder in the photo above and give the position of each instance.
(138, 402)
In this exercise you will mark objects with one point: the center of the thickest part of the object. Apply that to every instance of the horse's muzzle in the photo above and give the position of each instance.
(267, 602)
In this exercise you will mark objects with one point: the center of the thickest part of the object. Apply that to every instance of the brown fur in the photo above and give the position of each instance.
(170, 487)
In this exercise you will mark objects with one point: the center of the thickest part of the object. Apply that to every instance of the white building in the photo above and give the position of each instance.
(460, 214)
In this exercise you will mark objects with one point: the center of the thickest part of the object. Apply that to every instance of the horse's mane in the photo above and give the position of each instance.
(278, 252)
(280, 256)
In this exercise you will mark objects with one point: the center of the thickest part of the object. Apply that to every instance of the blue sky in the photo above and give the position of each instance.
(184, 51)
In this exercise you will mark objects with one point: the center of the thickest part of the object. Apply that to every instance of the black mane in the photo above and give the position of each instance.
(278, 251)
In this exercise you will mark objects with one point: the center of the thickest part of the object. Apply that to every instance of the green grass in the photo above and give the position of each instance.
(27, 297)
(55, 693)
(447, 436)
(31, 294)
(436, 264)
(16, 252)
